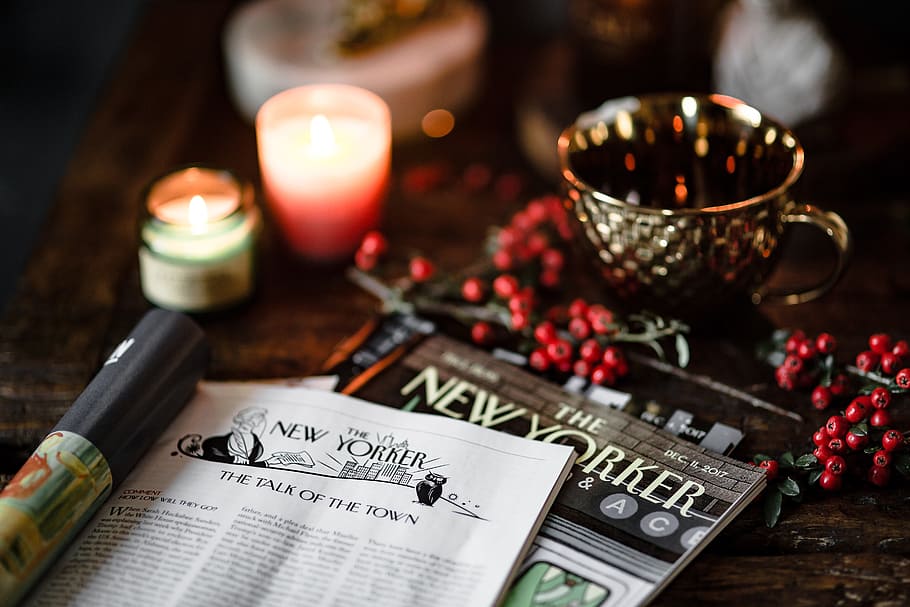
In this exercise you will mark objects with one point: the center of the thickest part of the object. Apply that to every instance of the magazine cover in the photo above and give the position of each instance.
(641, 500)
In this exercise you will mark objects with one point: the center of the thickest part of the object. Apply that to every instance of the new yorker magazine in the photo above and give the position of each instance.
(642, 500)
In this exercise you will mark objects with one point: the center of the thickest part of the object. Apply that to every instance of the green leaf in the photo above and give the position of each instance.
(872, 450)
(788, 487)
(780, 336)
(761, 457)
(860, 429)
(902, 463)
(806, 461)
(773, 503)
(776, 358)
(682, 350)
(786, 460)
(814, 476)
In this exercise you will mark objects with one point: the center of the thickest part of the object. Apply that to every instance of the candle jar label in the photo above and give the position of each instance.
(196, 287)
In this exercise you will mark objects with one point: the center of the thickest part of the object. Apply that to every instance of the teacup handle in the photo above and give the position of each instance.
(831, 224)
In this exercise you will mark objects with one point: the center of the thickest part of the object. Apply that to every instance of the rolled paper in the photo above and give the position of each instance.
(138, 391)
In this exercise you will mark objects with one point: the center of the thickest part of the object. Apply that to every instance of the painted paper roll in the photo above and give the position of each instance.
(140, 388)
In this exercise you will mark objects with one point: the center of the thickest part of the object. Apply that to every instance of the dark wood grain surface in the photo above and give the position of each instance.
(168, 105)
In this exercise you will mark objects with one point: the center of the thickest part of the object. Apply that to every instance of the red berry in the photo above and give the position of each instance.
(552, 259)
(622, 368)
(792, 344)
(880, 419)
(879, 475)
(520, 303)
(482, 333)
(902, 379)
(836, 464)
(880, 398)
(539, 360)
(537, 210)
(364, 260)
(771, 468)
(867, 360)
(508, 237)
(892, 440)
(590, 350)
(505, 286)
(820, 437)
(472, 289)
(821, 397)
(508, 187)
(840, 385)
(559, 350)
(502, 260)
(890, 363)
(602, 374)
(880, 342)
(825, 343)
(857, 410)
(901, 348)
(822, 453)
(881, 458)
(613, 356)
(578, 307)
(806, 350)
(374, 243)
(476, 177)
(563, 366)
(786, 379)
(522, 221)
(837, 426)
(837, 445)
(856, 441)
(829, 481)
(520, 321)
(600, 318)
(579, 328)
(545, 332)
(550, 278)
(794, 364)
(581, 368)
(537, 242)
(422, 269)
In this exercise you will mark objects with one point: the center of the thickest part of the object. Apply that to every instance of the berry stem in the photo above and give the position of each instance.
(870, 375)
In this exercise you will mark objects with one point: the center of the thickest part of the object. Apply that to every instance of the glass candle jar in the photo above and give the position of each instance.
(324, 157)
(198, 234)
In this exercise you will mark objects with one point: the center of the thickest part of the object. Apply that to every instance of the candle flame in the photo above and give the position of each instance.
(322, 138)
(198, 214)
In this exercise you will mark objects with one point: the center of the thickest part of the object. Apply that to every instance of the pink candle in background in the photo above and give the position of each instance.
(324, 158)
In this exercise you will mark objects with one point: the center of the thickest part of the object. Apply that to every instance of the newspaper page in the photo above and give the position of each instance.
(276, 495)
(641, 501)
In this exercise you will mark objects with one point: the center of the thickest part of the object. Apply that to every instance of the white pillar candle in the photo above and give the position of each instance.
(324, 158)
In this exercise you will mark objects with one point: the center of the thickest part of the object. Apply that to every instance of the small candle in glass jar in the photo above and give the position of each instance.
(324, 157)
(198, 237)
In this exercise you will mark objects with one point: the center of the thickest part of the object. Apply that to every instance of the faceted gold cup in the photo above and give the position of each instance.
(683, 200)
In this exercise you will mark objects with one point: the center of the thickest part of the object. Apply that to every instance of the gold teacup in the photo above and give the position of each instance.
(683, 200)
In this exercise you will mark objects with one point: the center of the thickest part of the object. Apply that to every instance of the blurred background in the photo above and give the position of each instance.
(806, 63)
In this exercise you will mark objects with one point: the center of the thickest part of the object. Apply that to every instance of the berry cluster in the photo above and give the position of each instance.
(837, 441)
(860, 439)
(810, 362)
(577, 340)
(511, 298)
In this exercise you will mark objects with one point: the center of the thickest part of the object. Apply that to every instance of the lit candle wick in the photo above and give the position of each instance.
(198, 214)
(322, 138)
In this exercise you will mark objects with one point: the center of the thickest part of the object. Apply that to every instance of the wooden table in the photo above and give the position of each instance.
(168, 105)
